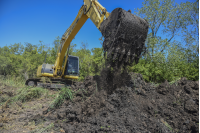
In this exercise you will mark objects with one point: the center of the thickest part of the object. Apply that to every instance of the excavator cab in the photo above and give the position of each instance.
(72, 66)
(71, 69)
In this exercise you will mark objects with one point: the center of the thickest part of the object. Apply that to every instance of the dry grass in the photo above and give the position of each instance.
(29, 98)
(4, 118)
(40, 128)
(12, 81)
(166, 124)
(4, 106)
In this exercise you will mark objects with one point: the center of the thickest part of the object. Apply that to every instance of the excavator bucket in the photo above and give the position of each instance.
(124, 37)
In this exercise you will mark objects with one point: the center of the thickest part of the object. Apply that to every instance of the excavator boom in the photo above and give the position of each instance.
(91, 9)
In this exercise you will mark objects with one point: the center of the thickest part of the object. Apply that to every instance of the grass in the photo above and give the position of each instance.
(105, 127)
(6, 103)
(4, 118)
(65, 93)
(155, 84)
(12, 81)
(46, 128)
(166, 124)
(39, 128)
(23, 94)
(3, 98)
(28, 93)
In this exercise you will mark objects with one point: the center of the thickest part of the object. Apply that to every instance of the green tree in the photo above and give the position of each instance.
(165, 17)
(16, 48)
(191, 32)
(56, 43)
(166, 58)
(85, 61)
(29, 47)
(5, 51)
(97, 60)
(72, 49)
(5, 63)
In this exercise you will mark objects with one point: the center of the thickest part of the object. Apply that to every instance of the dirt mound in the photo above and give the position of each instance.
(124, 37)
(112, 79)
(137, 107)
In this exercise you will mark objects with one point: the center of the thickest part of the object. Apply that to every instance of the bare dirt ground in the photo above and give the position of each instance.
(135, 107)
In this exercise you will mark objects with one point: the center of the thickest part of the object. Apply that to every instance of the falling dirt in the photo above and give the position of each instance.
(124, 41)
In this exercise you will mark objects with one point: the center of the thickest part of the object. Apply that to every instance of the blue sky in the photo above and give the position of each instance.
(34, 20)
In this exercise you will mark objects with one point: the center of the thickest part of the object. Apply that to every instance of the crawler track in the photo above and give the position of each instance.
(52, 84)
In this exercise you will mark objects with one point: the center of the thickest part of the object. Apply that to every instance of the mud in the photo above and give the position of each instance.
(124, 37)
(137, 107)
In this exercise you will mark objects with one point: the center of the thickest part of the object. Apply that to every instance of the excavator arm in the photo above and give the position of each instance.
(91, 9)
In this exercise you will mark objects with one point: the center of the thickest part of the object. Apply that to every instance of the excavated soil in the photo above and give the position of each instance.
(136, 107)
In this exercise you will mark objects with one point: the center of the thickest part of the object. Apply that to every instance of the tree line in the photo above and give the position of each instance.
(166, 57)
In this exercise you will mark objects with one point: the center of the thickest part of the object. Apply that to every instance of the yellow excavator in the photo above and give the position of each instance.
(66, 66)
